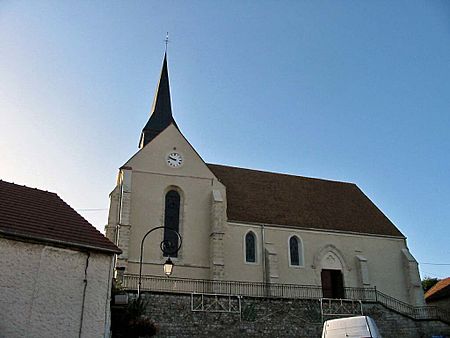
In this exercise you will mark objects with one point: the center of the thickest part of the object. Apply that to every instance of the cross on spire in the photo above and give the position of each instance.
(166, 40)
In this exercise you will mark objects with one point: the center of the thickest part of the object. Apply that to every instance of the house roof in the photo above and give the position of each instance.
(43, 216)
(440, 290)
(278, 199)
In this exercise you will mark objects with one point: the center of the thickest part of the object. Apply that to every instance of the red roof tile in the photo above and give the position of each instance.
(440, 290)
(269, 198)
(43, 216)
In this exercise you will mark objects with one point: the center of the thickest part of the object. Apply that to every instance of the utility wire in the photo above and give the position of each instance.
(102, 209)
(435, 263)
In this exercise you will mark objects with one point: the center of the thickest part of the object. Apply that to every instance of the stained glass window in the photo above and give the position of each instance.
(295, 251)
(250, 247)
(172, 221)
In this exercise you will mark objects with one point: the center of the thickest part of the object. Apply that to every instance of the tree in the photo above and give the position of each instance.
(428, 283)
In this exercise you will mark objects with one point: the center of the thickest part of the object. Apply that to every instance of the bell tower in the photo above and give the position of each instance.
(167, 184)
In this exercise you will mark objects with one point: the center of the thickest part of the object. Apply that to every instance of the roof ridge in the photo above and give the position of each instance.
(281, 174)
(15, 185)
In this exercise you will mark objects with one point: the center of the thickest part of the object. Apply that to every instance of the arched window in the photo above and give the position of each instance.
(295, 251)
(172, 220)
(250, 247)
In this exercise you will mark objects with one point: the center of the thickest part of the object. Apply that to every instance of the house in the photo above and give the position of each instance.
(252, 226)
(56, 268)
(439, 295)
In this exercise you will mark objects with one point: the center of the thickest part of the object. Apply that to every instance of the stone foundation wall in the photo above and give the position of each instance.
(392, 324)
(271, 318)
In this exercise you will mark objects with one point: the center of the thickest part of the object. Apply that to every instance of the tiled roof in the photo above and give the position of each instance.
(278, 199)
(43, 216)
(440, 290)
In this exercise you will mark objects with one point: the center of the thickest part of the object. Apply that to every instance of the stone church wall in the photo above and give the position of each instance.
(381, 257)
(271, 318)
(151, 179)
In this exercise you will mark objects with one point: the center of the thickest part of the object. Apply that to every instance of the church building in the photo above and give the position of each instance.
(245, 225)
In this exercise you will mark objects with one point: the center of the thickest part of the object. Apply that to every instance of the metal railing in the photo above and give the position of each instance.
(415, 312)
(238, 288)
(272, 290)
(332, 308)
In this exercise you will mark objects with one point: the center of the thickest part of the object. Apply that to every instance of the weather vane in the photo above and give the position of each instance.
(166, 40)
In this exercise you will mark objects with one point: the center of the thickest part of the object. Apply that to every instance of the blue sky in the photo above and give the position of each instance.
(355, 91)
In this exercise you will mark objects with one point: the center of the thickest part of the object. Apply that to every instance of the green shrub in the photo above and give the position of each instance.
(132, 322)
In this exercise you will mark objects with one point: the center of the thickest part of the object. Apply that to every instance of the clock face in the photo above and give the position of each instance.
(174, 160)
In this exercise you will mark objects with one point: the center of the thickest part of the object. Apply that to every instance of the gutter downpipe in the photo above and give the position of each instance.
(119, 208)
(84, 293)
(107, 327)
(263, 257)
(119, 217)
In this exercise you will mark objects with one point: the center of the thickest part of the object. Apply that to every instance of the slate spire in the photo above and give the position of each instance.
(161, 116)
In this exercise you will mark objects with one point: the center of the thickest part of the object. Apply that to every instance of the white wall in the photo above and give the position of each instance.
(151, 178)
(41, 290)
(384, 256)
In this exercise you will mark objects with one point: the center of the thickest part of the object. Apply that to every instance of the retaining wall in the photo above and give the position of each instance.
(265, 317)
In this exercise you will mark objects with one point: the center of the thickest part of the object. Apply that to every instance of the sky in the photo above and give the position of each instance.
(354, 91)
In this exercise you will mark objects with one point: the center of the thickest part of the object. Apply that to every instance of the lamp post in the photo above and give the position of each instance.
(167, 246)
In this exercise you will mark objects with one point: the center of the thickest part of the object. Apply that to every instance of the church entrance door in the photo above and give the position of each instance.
(332, 283)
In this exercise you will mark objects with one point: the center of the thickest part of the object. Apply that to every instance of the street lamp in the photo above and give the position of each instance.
(167, 246)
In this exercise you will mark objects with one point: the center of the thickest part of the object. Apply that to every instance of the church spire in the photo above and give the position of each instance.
(161, 116)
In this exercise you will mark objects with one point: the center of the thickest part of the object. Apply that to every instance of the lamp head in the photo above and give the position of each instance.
(168, 267)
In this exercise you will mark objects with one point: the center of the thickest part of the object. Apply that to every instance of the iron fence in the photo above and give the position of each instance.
(238, 288)
(272, 290)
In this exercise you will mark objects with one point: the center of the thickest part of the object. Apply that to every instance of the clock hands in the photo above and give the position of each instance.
(174, 160)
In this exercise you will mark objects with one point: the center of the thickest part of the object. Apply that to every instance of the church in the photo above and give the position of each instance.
(240, 225)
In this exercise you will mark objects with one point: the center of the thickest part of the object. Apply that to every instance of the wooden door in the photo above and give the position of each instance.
(332, 284)
(327, 285)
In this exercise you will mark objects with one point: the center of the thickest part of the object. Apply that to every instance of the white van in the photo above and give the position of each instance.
(351, 327)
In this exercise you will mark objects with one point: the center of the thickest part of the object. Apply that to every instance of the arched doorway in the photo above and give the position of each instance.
(331, 276)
